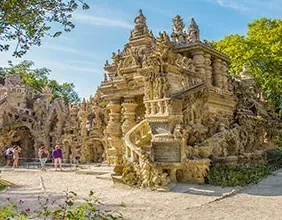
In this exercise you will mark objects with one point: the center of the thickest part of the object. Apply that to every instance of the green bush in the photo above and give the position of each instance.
(2, 186)
(70, 209)
(232, 175)
(279, 141)
(274, 157)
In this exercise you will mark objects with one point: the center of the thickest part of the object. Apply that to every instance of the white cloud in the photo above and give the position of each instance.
(66, 67)
(234, 4)
(101, 21)
(267, 7)
(68, 50)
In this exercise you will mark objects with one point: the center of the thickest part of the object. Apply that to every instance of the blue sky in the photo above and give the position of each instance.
(79, 56)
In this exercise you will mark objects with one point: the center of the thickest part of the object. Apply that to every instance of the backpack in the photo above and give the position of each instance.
(9, 151)
(43, 155)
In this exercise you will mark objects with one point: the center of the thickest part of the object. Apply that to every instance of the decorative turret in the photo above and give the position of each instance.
(163, 41)
(12, 80)
(177, 30)
(193, 31)
(47, 94)
(140, 28)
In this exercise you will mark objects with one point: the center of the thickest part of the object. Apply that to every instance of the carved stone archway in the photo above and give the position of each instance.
(94, 152)
(68, 152)
(25, 140)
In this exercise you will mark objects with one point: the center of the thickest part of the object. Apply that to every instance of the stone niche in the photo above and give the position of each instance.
(159, 127)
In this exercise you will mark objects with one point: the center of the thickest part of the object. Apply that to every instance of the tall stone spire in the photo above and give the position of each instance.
(193, 31)
(140, 28)
(177, 30)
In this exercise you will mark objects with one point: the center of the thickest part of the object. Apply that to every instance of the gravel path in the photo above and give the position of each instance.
(261, 201)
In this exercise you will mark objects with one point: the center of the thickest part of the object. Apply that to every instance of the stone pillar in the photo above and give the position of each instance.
(115, 147)
(129, 115)
(224, 75)
(208, 69)
(198, 57)
(217, 73)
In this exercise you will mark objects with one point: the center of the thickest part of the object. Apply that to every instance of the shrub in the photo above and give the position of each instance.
(2, 185)
(232, 175)
(274, 157)
(70, 209)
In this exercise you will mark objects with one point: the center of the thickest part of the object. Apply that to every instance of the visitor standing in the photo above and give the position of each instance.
(43, 155)
(16, 156)
(57, 156)
(9, 156)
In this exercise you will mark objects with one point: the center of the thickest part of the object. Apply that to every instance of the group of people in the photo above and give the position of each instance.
(12, 156)
(57, 156)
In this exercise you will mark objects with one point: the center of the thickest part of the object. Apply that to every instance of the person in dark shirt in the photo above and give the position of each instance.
(57, 155)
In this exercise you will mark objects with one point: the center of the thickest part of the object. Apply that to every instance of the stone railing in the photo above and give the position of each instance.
(136, 140)
(157, 107)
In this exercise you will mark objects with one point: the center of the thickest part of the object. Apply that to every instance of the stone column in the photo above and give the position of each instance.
(208, 69)
(217, 73)
(224, 75)
(198, 57)
(129, 114)
(115, 148)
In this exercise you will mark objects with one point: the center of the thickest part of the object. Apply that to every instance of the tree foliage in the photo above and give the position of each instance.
(38, 79)
(26, 22)
(261, 51)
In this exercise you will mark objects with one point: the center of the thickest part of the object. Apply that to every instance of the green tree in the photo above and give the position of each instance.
(261, 51)
(65, 90)
(38, 79)
(27, 21)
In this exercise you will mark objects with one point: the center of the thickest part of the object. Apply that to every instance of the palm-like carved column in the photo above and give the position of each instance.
(115, 147)
(198, 57)
(217, 73)
(208, 69)
(129, 114)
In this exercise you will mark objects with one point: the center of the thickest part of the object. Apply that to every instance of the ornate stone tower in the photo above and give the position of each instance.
(172, 107)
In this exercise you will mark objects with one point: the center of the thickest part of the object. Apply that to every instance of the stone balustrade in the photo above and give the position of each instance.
(157, 107)
(137, 138)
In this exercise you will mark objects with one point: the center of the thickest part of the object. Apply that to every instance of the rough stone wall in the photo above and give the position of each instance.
(31, 118)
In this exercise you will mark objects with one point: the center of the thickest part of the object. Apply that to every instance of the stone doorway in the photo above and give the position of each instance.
(26, 141)
(95, 152)
(68, 152)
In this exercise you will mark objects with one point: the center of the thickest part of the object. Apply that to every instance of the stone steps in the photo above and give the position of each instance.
(107, 176)
(117, 178)
(97, 171)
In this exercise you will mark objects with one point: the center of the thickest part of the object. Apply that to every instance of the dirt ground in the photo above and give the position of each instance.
(185, 201)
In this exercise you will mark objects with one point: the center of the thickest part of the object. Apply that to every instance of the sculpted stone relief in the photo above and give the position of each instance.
(165, 110)
(192, 108)
(40, 120)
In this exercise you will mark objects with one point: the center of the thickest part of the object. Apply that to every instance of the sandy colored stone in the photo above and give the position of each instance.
(261, 201)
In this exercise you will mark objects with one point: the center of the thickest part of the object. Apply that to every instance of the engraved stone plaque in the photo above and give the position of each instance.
(167, 152)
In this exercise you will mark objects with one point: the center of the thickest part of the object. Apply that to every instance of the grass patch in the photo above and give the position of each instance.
(2, 187)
